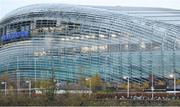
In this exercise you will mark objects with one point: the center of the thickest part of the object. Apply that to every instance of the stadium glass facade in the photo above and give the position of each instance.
(68, 42)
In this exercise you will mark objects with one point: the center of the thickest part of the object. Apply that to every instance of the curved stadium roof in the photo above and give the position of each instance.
(129, 24)
(55, 7)
(159, 14)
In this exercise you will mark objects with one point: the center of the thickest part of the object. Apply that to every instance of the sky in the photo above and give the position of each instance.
(9, 5)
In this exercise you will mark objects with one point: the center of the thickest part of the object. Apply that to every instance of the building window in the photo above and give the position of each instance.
(45, 23)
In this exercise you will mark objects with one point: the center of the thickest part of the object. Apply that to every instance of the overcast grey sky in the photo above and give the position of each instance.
(9, 5)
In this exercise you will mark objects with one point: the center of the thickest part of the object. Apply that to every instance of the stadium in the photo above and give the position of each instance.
(67, 42)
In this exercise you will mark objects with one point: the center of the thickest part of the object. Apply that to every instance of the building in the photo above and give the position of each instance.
(67, 42)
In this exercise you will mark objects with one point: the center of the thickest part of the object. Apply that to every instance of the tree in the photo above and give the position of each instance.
(95, 81)
(145, 85)
(44, 84)
(4, 77)
(136, 86)
(178, 81)
(10, 84)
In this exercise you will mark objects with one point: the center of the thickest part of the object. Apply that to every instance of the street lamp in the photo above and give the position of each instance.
(126, 77)
(29, 82)
(174, 77)
(152, 86)
(89, 85)
(35, 63)
(5, 86)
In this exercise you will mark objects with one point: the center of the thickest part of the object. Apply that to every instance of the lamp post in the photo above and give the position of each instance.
(5, 87)
(126, 77)
(152, 86)
(89, 85)
(29, 82)
(17, 76)
(35, 62)
(174, 77)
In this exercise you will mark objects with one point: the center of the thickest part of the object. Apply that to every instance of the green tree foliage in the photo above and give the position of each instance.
(95, 81)
(178, 81)
(136, 86)
(4, 77)
(44, 84)
(10, 84)
(145, 85)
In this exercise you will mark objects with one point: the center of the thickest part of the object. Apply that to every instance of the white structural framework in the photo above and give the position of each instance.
(67, 42)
